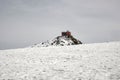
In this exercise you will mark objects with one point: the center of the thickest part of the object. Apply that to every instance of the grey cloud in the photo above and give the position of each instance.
(25, 22)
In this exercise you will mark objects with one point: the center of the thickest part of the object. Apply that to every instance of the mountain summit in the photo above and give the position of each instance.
(64, 40)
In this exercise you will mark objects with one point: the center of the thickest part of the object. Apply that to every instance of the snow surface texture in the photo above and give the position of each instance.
(59, 41)
(100, 61)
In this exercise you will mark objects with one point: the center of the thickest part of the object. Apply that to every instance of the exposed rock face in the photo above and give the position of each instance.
(64, 40)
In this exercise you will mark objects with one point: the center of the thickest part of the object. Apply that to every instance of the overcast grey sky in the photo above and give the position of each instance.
(26, 22)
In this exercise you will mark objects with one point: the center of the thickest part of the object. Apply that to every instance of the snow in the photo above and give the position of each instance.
(98, 61)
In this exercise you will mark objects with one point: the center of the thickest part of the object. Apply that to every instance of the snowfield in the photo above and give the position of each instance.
(98, 61)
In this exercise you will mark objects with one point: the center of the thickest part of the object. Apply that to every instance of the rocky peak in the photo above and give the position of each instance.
(64, 40)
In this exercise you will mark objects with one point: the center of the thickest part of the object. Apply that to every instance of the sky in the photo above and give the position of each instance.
(27, 22)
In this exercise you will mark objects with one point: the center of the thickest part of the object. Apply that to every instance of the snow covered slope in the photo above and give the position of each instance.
(99, 61)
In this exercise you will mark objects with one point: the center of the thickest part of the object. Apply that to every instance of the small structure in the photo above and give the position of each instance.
(67, 33)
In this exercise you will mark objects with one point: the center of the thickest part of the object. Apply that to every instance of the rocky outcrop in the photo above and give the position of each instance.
(63, 40)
